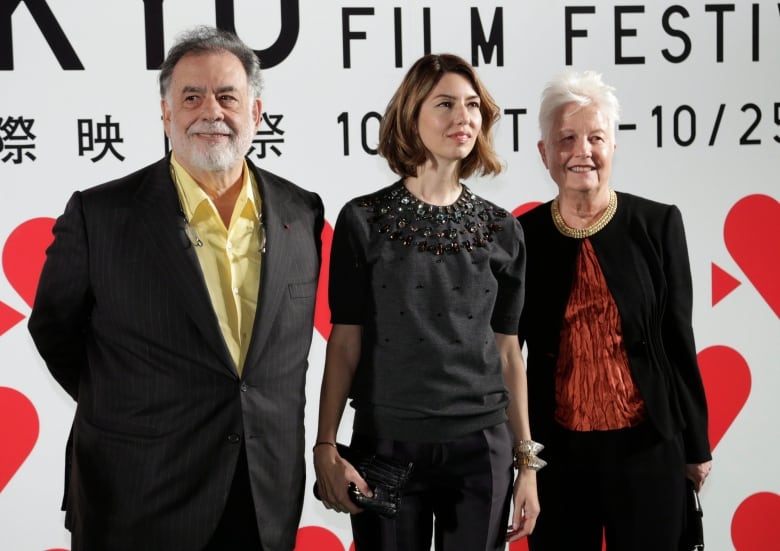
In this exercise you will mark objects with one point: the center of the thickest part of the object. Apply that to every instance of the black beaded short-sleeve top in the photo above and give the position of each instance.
(430, 285)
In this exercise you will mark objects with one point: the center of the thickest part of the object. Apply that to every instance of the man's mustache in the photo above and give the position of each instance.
(210, 128)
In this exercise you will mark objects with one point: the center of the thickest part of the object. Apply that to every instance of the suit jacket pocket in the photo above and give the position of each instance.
(303, 290)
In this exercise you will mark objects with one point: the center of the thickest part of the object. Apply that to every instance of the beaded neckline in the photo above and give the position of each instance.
(467, 224)
(581, 233)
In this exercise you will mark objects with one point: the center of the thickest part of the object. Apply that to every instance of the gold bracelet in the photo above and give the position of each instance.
(524, 455)
(527, 447)
(529, 461)
(323, 443)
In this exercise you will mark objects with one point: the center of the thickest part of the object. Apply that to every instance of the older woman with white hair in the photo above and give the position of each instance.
(615, 391)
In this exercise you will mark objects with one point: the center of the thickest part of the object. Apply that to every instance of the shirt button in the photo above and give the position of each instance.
(244, 387)
(235, 290)
(234, 438)
(229, 245)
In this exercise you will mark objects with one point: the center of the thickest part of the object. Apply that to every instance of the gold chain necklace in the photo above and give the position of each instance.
(581, 233)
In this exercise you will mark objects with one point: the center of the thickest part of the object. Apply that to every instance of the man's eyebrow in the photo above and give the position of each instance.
(197, 89)
(201, 89)
(229, 88)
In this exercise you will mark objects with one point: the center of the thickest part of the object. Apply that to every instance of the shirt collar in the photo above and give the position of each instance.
(192, 196)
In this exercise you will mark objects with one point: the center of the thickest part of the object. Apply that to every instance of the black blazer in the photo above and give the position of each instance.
(644, 257)
(123, 320)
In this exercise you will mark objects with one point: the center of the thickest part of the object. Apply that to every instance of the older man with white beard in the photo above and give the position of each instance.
(176, 308)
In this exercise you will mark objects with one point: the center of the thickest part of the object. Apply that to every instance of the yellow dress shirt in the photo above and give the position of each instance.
(230, 258)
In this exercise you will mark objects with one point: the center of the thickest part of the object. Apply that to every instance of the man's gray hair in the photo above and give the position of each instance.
(203, 39)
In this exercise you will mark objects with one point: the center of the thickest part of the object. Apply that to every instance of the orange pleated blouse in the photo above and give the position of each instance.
(594, 389)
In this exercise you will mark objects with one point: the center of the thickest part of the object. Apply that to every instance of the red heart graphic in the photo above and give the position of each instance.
(754, 526)
(24, 254)
(321, 308)
(727, 381)
(18, 432)
(722, 283)
(316, 538)
(752, 240)
(519, 545)
(8, 317)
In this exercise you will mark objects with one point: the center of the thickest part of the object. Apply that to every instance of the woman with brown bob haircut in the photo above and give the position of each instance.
(399, 141)
(426, 290)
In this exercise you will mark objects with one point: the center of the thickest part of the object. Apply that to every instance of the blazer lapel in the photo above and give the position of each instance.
(161, 220)
(276, 260)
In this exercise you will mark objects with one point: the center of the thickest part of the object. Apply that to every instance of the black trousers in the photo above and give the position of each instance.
(626, 486)
(237, 529)
(459, 495)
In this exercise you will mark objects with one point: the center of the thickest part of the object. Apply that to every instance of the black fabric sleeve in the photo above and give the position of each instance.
(510, 274)
(63, 300)
(348, 284)
(679, 341)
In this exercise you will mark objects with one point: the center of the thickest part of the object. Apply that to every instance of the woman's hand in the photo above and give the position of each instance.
(526, 505)
(334, 475)
(698, 472)
(333, 472)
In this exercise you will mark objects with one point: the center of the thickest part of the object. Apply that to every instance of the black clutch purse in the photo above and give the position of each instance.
(693, 529)
(386, 477)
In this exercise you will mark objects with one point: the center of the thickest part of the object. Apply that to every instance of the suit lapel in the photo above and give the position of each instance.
(276, 260)
(163, 225)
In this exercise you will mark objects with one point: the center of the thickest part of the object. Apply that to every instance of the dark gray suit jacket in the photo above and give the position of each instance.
(123, 320)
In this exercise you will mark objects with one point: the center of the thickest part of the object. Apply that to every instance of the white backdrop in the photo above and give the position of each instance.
(700, 82)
